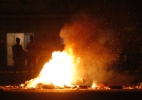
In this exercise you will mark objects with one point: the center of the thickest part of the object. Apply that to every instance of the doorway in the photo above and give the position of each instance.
(24, 39)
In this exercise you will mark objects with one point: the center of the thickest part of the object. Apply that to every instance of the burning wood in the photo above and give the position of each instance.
(45, 86)
(59, 71)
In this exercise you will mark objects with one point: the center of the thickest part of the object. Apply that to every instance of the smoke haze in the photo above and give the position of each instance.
(96, 44)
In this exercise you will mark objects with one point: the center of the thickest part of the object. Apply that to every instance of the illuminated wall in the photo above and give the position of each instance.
(11, 37)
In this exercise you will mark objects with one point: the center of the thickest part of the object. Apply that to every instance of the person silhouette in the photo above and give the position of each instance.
(18, 55)
(31, 55)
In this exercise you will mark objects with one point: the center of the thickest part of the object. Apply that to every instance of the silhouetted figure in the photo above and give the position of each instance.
(3, 53)
(18, 55)
(31, 55)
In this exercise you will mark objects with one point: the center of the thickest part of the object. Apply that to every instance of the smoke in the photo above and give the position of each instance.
(95, 43)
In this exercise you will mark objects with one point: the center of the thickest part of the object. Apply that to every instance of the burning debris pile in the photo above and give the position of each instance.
(89, 51)
(59, 71)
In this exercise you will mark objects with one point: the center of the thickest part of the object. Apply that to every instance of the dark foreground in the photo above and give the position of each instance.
(73, 94)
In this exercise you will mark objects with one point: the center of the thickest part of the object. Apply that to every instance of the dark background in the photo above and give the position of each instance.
(45, 18)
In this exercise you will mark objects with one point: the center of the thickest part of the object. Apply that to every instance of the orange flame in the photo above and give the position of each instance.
(60, 70)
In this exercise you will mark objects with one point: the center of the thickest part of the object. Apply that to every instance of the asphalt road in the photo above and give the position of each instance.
(71, 94)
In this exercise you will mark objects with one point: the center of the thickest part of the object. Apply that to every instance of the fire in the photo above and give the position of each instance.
(59, 71)
(94, 85)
